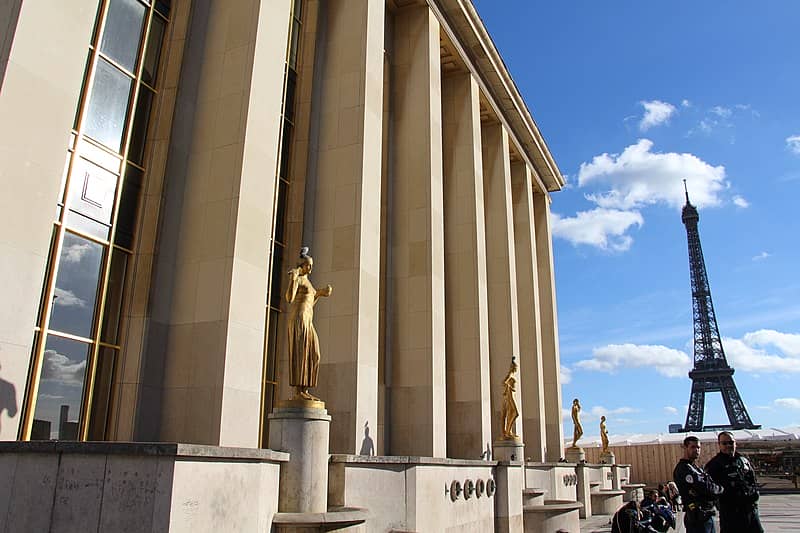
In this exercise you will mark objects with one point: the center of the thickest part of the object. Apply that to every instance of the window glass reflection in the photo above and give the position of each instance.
(101, 395)
(116, 282)
(92, 191)
(129, 207)
(108, 105)
(140, 121)
(122, 31)
(76, 286)
(58, 403)
(154, 40)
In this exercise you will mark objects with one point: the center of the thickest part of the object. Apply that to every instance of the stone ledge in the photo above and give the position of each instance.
(607, 492)
(531, 463)
(413, 460)
(341, 516)
(533, 492)
(554, 506)
(633, 485)
(158, 449)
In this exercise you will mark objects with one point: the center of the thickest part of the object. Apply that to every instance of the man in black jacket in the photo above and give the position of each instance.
(698, 490)
(738, 505)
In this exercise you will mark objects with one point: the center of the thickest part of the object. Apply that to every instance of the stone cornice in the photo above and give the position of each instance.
(460, 19)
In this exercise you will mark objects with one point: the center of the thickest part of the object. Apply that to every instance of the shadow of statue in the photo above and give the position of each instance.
(367, 445)
(8, 399)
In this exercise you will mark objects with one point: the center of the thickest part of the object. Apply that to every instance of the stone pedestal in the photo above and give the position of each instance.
(575, 454)
(508, 450)
(302, 429)
(608, 458)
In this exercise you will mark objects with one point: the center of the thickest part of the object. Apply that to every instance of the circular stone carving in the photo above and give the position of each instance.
(490, 487)
(480, 487)
(469, 488)
(455, 490)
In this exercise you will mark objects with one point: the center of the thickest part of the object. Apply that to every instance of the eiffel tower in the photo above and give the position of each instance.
(711, 372)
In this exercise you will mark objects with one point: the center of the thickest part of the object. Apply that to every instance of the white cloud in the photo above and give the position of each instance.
(656, 113)
(761, 256)
(720, 111)
(788, 403)
(670, 410)
(74, 253)
(745, 355)
(65, 298)
(686, 103)
(788, 343)
(638, 177)
(740, 202)
(603, 228)
(566, 374)
(59, 367)
(793, 144)
(596, 411)
(666, 361)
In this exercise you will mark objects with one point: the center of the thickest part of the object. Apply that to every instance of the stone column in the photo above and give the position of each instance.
(469, 429)
(43, 49)
(551, 365)
(206, 336)
(417, 313)
(508, 499)
(530, 340)
(343, 202)
(500, 270)
(583, 489)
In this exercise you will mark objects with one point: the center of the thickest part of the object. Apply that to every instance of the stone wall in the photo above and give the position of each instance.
(135, 487)
(415, 493)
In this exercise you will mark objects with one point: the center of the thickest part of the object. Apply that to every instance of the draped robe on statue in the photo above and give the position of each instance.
(303, 343)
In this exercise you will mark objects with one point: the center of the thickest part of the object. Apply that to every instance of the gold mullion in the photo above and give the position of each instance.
(110, 345)
(68, 336)
(98, 322)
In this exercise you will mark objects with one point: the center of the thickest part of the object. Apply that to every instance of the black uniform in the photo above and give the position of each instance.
(698, 492)
(738, 505)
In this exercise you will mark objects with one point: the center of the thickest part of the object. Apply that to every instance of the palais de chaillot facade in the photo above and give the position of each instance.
(163, 162)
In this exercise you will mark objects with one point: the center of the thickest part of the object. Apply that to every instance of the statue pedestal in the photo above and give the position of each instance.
(575, 454)
(608, 458)
(508, 450)
(302, 428)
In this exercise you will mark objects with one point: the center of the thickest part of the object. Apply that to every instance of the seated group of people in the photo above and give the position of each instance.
(655, 513)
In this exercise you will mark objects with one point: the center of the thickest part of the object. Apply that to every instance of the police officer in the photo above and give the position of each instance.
(698, 491)
(738, 505)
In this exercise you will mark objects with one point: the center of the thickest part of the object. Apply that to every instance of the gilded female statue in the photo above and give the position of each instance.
(604, 433)
(509, 411)
(576, 421)
(304, 353)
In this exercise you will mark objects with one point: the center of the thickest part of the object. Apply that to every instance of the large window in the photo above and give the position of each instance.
(76, 338)
(278, 243)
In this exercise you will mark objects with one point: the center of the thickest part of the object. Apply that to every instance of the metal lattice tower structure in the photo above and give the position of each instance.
(711, 372)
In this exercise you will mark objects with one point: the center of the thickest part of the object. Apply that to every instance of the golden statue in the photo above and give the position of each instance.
(604, 433)
(509, 411)
(303, 342)
(578, 431)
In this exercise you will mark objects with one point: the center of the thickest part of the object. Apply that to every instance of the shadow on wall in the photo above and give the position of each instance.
(8, 398)
(367, 445)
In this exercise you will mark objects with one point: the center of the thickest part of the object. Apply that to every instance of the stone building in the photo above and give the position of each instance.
(162, 163)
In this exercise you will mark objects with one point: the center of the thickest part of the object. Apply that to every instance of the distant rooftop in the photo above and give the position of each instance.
(790, 433)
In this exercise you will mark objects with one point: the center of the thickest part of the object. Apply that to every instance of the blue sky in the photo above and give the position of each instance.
(632, 97)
